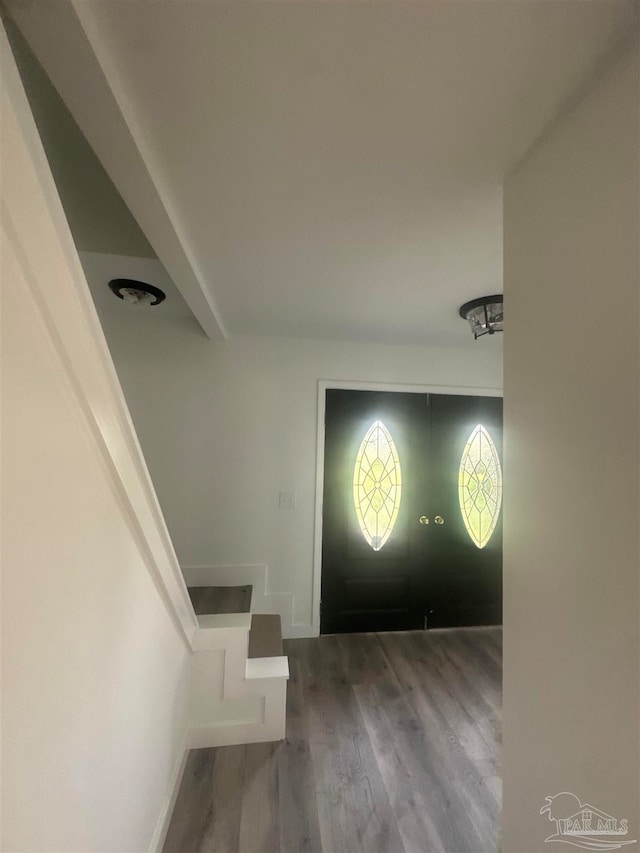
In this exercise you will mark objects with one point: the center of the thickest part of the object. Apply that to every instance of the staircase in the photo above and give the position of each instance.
(239, 672)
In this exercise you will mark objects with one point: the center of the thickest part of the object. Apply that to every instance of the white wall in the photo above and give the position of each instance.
(94, 658)
(99, 219)
(94, 672)
(571, 608)
(226, 426)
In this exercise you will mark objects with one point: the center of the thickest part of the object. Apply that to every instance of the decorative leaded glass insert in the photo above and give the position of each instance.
(377, 485)
(480, 486)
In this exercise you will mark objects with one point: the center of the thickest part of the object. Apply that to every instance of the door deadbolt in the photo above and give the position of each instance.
(439, 519)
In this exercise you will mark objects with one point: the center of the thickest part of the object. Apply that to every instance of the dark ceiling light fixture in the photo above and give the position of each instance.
(136, 292)
(485, 315)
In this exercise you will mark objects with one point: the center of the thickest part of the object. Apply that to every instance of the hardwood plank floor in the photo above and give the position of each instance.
(392, 745)
(220, 599)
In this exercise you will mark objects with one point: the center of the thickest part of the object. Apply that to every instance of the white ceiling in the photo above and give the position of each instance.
(334, 169)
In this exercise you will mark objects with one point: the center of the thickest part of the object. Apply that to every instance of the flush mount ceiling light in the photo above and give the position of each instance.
(136, 292)
(485, 315)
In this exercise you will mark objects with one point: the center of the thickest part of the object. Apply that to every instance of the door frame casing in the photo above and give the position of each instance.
(325, 385)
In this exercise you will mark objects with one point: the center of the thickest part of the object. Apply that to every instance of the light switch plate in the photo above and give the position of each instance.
(287, 500)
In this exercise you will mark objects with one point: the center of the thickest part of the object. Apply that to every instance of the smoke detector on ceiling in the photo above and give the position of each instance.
(136, 292)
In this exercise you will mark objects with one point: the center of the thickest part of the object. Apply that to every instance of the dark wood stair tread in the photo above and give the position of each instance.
(265, 636)
(220, 599)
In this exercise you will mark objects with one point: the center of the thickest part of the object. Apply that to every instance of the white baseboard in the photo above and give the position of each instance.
(162, 826)
(301, 632)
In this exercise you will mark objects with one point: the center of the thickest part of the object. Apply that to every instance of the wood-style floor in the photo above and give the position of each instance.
(220, 599)
(392, 745)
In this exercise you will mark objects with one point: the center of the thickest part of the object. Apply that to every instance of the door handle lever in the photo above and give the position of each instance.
(423, 519)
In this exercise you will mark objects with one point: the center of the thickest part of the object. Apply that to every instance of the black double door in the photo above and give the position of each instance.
(412, 522)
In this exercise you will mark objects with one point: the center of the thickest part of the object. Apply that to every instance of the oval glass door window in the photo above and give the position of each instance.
(377, 485)
(480, 486)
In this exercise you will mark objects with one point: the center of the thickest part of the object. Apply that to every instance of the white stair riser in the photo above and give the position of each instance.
(234, 699)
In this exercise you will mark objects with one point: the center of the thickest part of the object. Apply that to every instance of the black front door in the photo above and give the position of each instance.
(412, 532)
